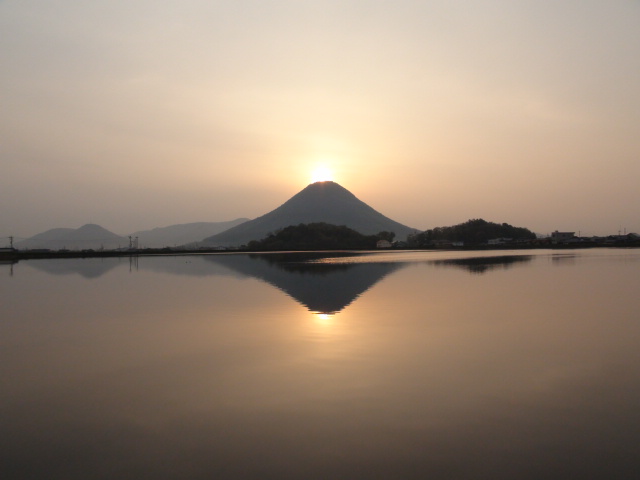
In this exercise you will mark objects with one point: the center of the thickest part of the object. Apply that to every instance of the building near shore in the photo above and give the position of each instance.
(562, 237)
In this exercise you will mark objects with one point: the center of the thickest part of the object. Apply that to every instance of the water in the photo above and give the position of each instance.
(446, 365)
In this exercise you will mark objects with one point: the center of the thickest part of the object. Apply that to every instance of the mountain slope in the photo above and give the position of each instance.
(88, 236)
(181, 234)
(48, 236)
(319, 202)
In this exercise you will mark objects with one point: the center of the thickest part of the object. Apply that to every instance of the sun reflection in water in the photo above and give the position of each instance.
(325, 329)
(323, 318)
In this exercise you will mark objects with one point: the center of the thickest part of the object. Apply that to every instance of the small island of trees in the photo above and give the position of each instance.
(471, 232)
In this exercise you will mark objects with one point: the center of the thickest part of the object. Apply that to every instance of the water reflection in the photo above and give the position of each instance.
(322, 288)
(323, 318)
(85, 267)
(479, 265)
(9, 264)
(521, 373)
(561, 259)
(324, 283)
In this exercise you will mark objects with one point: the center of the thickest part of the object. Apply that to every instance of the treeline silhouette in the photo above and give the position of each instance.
(471, 232)
(317, 236)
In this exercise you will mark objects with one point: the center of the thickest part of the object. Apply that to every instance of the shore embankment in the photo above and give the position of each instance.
(15, 255)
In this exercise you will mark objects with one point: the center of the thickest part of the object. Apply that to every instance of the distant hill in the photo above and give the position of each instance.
(325, 202)
(472, 232)
(182, 234)
(88, 236)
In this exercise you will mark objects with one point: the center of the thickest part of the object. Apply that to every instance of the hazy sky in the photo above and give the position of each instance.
(139, 114)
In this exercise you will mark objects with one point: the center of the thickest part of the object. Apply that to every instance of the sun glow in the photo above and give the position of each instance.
(321, 174)
(325, 319)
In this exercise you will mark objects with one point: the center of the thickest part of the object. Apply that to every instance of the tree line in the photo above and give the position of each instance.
(318, 236)
(325, 236)
(472, 232)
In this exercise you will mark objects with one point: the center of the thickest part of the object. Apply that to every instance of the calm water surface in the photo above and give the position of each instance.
(495, 365)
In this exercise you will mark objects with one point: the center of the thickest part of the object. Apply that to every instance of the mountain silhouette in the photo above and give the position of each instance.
(325, 202)
(181, 234)
(89, 236)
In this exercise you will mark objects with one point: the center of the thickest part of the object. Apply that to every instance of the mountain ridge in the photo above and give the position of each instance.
(95, 237)
(182, 233)
(326, 202)
(320, 202)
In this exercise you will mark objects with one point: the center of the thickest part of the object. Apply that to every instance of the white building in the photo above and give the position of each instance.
(562, 237)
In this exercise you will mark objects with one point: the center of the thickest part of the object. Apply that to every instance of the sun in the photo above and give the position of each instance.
(321, 174)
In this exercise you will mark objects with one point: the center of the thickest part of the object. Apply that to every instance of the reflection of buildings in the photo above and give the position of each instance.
(483, 264)
(322, 288)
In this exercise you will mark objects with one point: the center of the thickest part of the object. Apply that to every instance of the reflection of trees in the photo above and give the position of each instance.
(472, 232)
(479, 265)
(298, 262)
(322, 288)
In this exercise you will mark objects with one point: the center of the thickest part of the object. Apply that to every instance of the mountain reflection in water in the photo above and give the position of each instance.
(322, 288)
(323, 282)
(85, 267)
(195, 367)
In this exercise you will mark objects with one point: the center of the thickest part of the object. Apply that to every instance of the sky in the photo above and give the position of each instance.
(142, 114)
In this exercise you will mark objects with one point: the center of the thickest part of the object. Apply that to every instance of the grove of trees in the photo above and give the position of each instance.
(317, 236)
(471, 232)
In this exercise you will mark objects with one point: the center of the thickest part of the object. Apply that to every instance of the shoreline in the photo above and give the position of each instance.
(17, 255)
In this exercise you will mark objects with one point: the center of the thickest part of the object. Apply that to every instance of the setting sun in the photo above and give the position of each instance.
(321, 174)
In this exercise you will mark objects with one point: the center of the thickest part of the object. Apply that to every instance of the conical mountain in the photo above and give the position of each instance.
(319, 202)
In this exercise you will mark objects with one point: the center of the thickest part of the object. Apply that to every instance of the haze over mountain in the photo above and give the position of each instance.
(184, 233)
(89, 236)
(95, 237)
(319, 202)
